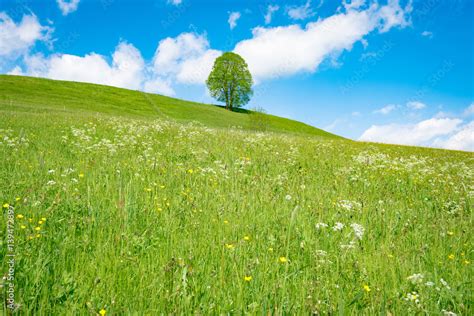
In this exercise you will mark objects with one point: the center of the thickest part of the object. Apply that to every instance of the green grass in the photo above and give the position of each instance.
(150, 215)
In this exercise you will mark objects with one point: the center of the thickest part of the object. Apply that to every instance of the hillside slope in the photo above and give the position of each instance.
(35, 94)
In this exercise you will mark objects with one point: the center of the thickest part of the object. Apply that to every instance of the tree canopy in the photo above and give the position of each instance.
(230, 81)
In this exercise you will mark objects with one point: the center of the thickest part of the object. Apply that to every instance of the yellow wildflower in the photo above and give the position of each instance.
(247, 238)
(81, 175)
(229, 246)
(40, 222)
(366, 288)
(450, 233)
(248, 278)
(19, 216)
(17, 199)
(283, 260)
(38, 235)
(38, 228)
(22, 226)
(466, 262)
(102, 312)
(6, 205)
(190, 170)
(270, 249)
(226, 222)
(451, 257)
(43, 219)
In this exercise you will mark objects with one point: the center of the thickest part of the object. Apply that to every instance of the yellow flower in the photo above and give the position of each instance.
(102, 312)
(283, 260)
(38, 235)
(17, 199)
(226, 222)
(466, 262)
(22, 226)
(30, 220)
(270, 249)
(451, 257)
(247, 238)
(43, 219)
(190, 170)
(81, 175)
(40, 222)
(450, 233)
(159, 209)
(148, 189)
(366, 288)
(38, 228)
(248, 278)
(6, 205)
(162, 186)
(19, 216)
(229, 246)
(390, 256)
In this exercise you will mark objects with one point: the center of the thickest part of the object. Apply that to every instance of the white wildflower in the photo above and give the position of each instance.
(416, 278)
(445, 284)
(288, 197)
(321, 225)
(429, 283)
(448, 313)
(338, 226)
(51, 182)
(358, 230)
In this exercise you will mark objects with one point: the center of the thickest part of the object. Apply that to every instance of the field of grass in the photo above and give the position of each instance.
(118, 210)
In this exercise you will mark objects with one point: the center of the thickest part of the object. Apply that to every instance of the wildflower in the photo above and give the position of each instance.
(162, 186)
(283, 260)
(6, 205)
(429, 283)
(270, 249)
(366, 288)
(288, 197)
(51, 182)
(22, 226)
(40, 222)
(37, 228)
(81, 175)
(43, 219)
(51, 171)
(416, 278)
(102, 312)
(358, 230)
(38, 235)
(321, 225)
(247, 238)
(248, 278)
(413, 296)
(226, 222)
(229, 246)
(148, 189)
(190, 171)
(451, 257)
(450, 233)
(17, 199)
(466, 262)
(445, 284)
(19, 216)
(338, 226)
(448, 313)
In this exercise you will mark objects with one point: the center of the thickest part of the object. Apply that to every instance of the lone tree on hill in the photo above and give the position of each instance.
(230, 81)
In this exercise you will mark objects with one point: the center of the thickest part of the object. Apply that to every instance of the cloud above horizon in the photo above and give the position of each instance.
(67, 6)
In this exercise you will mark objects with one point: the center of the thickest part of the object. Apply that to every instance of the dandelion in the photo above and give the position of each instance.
(6, 205)
(81, 175)
(451, 257)
(102, 312)
(148, 189)
(247, 278)
(22, 226)
(229, 246)
(450, 233)
(338, 226)
(283, 259)
(38, 228)
(19, 216)
(247, 238)
(466, 262)
(226, 222)
(40, 222)
(38, 235)
(190, 171)
(43, 219)
(366, 288)
(17, 199)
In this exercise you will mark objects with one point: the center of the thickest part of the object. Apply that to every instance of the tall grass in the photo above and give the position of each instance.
(132, 216)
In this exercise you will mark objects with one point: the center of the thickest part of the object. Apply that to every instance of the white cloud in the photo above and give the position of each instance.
(427, 34)
(386, 109)
(416, 105)
(175, 2)
(470, 110)
(126, 69)
(67, 6)
(233, 17)
(463, 139)
(420, 133)
(17, 39)
(354, 4)
(187, 58)
(286, 50)
(160, 86)
(270, 10)
(301, 12)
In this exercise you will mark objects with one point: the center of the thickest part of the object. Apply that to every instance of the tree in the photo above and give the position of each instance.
(230, 81)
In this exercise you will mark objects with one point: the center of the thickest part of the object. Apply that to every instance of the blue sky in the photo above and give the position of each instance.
(387, 71)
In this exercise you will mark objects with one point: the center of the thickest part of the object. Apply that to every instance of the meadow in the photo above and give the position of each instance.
(123, 211)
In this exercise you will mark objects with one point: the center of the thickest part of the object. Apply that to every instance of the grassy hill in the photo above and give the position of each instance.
(117, 204)
(35, 94)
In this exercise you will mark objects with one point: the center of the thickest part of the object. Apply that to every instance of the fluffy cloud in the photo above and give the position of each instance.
(270, 10)
(302, 12)
(427, 34)
(463, 139)
(469, 111)
(186, 59)
(386, 109)
(16, 39)
(175, 2)
(411, 134)
(67, 6)
(416, 105)
(286, 50)
(126, 69)
(233, 17)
